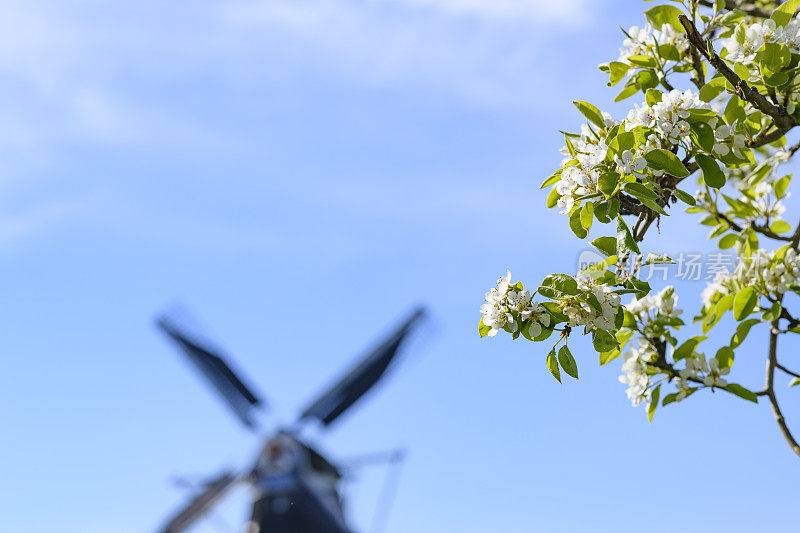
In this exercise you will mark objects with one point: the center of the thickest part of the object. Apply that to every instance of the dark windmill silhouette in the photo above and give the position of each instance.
(296, 489)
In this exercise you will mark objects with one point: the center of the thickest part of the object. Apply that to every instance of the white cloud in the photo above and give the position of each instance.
(570, 12)
(491, 52)
(41, 217)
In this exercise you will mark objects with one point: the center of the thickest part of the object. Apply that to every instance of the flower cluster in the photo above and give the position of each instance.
(767, 272)
(510, 307)
(665, 121)
(634, 371)
(697, 369)
(761, 199)
(744, 45)
(600, 314)
(580, 173)
(726, 140)
(662, 304)
(667, 118)
(642, 41)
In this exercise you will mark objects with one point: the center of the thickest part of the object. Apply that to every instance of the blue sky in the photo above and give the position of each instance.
(299, 173)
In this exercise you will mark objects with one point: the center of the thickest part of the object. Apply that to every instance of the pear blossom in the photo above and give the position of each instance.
(668, 35)
(714, 377)
(581, 313)
(662, 303)
(761, 199)
(509, 307)
(630, 163)
(636, 43)
(642, 41)
(767, 272)
(634, 372)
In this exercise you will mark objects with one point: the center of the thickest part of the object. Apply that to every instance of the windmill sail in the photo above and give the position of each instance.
(202, 503)
(235, 393)
(343, 394)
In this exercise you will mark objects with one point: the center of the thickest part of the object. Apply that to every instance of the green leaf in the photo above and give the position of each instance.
(591, 112)
(722, 307)
(658, 259)
(712, 174)
(684, 197)
(687, 348)
(606, 357)
(483, 329)
(567, 362)
(596, 270)
(669, 51)
(587, 214)
(742, 330)
(784, 13)
(660, 15)
(795, 382)
(603, 341)
(640, 191)
(552, 179)
(672, 397)
(654, 206)
(617, 71)
(712, 89)
(607, 182)
(646, 79)
(744, 303)
(613, 207)
(725, 357)
(651, 407)
(625, 243)
(728, 241)
(741, 392)
(626, 92)
(623, 141)
(772, 313)
(552, 364)
(552, 198)
(780, 226)
(653, 96)
(774, 56)
(558, 286)
(781, 185)
(643, 61)
(702, 135)
(665, 160)
(606, 245)
(575, 224)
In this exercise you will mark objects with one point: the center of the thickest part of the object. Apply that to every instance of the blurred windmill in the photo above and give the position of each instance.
(296, 489)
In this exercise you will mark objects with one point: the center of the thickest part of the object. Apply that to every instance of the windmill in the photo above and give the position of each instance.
(296, 489)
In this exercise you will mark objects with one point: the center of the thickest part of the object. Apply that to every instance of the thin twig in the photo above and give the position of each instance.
(786, 370)
(779, 115)
(772, 362)
(747, 7)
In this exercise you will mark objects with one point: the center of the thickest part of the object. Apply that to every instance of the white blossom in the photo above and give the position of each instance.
(581, 313)
(506, 306)
(663, 303)
(766, 272)
(634, 372)
(714, 377)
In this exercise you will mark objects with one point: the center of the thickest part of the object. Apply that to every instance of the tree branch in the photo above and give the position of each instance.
(780, 116)
(763, 230)
(772, 363)
(747, 7)
(786, 370)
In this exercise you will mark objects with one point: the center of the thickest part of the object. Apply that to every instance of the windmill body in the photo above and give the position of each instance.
(295, 488)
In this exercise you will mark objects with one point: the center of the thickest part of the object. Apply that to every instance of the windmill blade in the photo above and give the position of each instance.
(210, 362)
(338, 398)
(202, 503)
